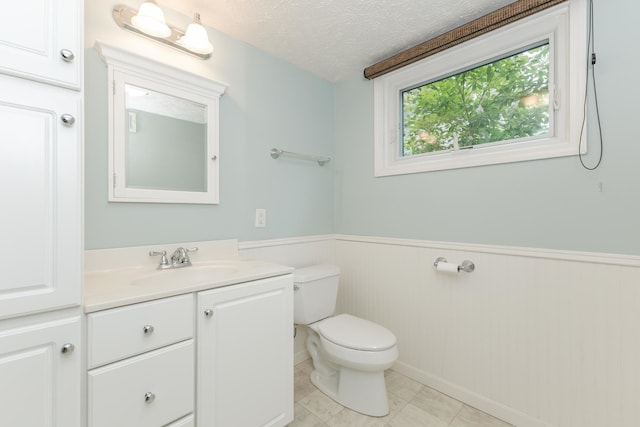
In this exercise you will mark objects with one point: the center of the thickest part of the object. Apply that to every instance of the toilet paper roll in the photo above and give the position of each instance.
(447, 267)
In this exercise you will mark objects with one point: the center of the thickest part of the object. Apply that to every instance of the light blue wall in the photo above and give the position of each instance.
(545, 204)
(269, 103)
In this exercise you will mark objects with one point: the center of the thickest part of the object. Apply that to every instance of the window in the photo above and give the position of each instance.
(504, 100)
(511, 95)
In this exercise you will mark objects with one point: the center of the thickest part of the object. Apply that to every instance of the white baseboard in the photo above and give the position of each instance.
(468, 397)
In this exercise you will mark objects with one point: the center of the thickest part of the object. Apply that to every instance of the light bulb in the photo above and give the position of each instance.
(196, 38)
(150, 20)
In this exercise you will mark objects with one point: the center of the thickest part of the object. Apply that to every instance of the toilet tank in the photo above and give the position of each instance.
(315, 292)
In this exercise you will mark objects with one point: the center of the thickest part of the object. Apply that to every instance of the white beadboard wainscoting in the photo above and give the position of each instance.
(295, 252)
(535, 337)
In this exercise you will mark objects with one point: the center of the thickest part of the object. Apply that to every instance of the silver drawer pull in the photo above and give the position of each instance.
(208, 312)
(148, 329)
(67, 348)
(67, 119)
(149, 397)
(67, 55)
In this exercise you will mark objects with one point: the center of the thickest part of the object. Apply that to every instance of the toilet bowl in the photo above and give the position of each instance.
(349, 354)
(352, 375)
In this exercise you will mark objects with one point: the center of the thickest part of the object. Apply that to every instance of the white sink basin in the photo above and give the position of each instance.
(186, 275)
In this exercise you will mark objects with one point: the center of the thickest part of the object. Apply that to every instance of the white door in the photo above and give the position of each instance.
(40, 382)
(245, 354)
(41, 40)
(40, 176)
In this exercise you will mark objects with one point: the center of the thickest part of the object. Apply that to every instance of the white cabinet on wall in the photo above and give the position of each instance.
(245, 354)
(40, 369)
(40, 180)
(41, 227)
(42, 40)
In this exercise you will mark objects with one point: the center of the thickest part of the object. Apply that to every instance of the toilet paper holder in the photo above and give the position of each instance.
(466, 266)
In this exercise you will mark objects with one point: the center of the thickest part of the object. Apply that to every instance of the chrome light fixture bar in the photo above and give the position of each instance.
(124, 17)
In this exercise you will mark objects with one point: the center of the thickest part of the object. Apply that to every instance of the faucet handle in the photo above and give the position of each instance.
(164, 262)
(186, 255)
(186, 261)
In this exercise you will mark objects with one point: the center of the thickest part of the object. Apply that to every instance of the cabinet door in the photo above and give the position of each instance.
(245, 354)
(38, 39)
(40, 383)
(40, 189)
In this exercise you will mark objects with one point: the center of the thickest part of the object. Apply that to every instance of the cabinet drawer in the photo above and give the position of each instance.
(149, 390)
(123, 332)
(183, 422)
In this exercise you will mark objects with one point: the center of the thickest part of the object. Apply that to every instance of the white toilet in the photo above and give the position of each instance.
(349, 354)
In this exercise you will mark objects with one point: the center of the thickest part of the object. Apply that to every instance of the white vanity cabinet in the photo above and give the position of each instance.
(40, 371)
(245, 354)
(142, 364)
(42, 40)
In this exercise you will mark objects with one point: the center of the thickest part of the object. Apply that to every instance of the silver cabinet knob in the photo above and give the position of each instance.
(67, 119)
(148, 329)
(67, 55)
(67, 348)
(149, 397)
(208, 312)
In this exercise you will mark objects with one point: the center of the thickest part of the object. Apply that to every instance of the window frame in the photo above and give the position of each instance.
(564, 26)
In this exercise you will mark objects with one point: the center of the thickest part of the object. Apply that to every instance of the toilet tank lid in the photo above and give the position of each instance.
(315, 272)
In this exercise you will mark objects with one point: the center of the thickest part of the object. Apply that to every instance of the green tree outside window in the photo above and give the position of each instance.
(503, 100)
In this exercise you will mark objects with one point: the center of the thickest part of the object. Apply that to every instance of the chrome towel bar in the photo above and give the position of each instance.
(276, 152)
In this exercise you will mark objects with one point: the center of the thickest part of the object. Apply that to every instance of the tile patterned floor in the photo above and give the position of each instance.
(411, 405)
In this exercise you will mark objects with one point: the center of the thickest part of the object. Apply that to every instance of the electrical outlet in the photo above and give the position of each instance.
(261, 218)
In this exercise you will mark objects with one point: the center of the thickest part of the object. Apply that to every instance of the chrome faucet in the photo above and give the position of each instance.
(179, 258)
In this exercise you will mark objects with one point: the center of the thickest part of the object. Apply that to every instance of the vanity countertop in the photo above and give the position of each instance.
(109, 288)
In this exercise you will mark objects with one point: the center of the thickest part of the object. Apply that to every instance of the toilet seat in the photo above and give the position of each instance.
(354, 333)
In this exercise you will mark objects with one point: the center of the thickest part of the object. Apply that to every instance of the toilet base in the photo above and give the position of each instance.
(363, 392)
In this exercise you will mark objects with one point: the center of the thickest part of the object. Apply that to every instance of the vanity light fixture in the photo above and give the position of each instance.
(149, 22)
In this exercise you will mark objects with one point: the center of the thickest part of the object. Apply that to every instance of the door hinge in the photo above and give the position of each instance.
(114, 180)
(114, 87)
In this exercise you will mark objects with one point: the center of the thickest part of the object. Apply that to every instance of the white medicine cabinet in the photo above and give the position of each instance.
(163, 131)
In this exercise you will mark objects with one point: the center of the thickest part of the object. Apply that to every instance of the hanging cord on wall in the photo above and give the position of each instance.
(591, 60)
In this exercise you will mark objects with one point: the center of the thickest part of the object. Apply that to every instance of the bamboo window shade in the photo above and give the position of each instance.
(501, 17)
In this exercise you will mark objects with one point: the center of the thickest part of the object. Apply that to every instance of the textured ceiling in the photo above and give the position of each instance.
(334, 39)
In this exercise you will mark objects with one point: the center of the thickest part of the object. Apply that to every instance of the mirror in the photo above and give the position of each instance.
(163, 142)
